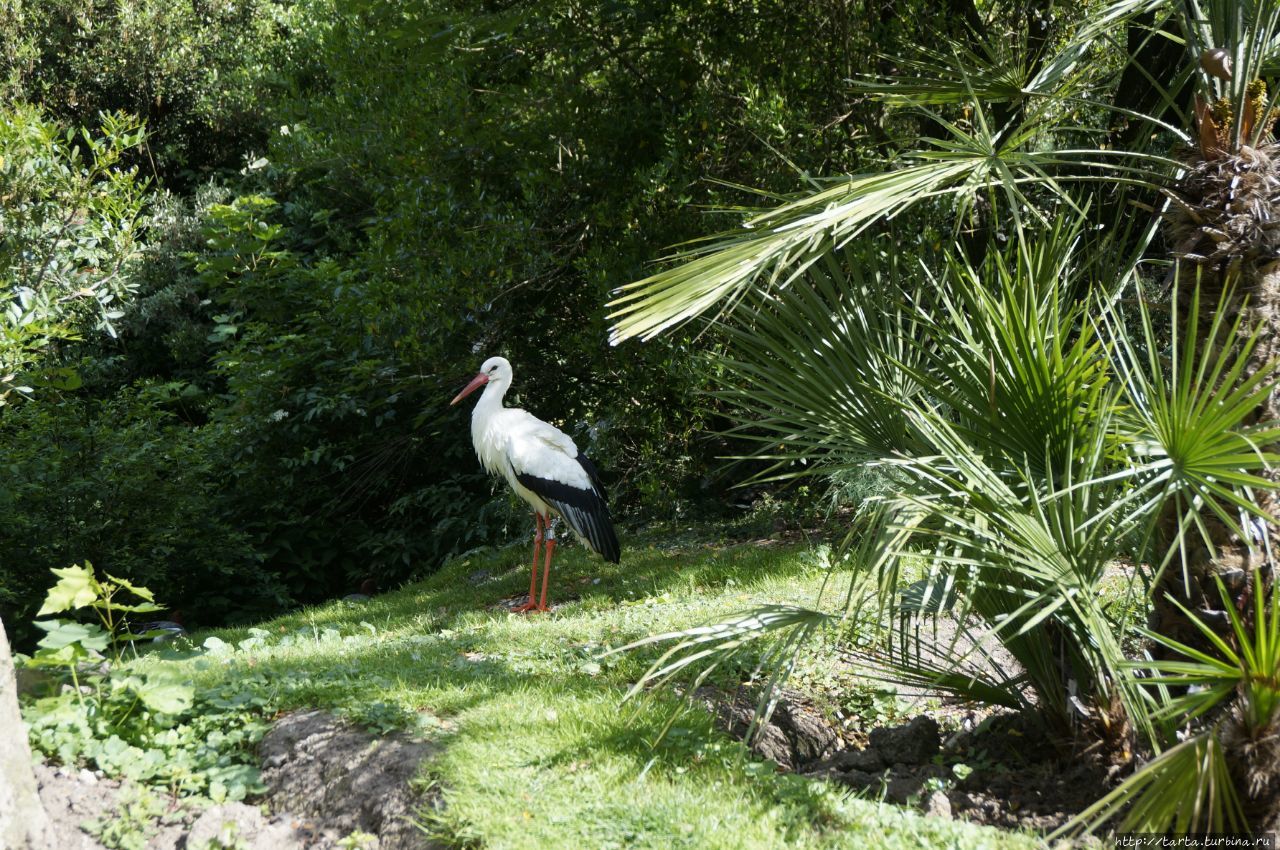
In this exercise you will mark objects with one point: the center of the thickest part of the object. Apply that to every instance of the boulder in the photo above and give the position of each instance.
(915, 743)
(24, 825)
(345, 779)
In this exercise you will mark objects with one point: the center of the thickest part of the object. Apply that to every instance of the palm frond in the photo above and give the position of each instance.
(1248, 666)
(1189, 419)
(771, 250)
(1097, 27)
(1018, 369)
(919, 656)
(814, 371)
(705, 648)
(1019, 168)
(1028, 563)
(986, 66)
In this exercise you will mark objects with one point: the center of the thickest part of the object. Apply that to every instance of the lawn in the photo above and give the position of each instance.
(536, 746)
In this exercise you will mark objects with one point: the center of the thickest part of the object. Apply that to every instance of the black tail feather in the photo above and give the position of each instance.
(595, 527)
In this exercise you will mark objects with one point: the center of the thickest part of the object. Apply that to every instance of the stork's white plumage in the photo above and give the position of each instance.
(543, 465)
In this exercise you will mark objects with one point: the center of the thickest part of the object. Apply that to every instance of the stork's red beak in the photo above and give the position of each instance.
(476, 383)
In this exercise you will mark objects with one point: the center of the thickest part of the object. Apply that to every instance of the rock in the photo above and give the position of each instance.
(795, 736)
(861, 780)
(479, 577)
(915, 743)
(327, 779)
(903, 786)
(937, 805)
(24, 824)
(810, 735)
(241, 826)
(864, 780)
(771, 743)
(71, 802)
(736, 716)
(345, 778)
(867, 760)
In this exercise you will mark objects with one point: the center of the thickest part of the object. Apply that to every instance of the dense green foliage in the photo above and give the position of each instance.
(69, 230)
(191, 71)
(1059, 401)
(350, 205)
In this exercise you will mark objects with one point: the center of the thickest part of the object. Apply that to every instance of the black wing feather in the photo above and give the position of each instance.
(586, 511)
(585, 463)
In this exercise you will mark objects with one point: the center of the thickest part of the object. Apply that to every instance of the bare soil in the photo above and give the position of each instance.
(326, 780)
(1014, 779)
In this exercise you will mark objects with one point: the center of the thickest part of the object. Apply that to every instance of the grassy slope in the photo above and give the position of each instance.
(536, 749)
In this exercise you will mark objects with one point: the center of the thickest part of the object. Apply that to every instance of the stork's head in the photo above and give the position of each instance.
(495, 370)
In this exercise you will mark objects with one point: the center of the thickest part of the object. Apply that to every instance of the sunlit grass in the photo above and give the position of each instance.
(536, 748)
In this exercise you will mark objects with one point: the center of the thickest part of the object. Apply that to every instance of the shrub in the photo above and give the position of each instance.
(196, 72)
(69, 232)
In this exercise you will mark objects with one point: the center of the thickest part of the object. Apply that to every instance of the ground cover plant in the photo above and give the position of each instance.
(152, 727)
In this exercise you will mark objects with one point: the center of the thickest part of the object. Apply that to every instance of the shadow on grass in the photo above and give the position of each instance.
(479, 581)
(524, 691)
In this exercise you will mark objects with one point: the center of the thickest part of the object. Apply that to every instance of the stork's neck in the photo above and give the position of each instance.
(490, 401)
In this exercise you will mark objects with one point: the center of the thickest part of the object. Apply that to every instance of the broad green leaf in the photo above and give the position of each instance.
(60, 633)
(63, 656)
(136, 590)
(76, 588)
(166, 698)
(139, 608)
(216, 646)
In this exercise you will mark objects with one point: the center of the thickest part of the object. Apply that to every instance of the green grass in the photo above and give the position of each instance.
(536, 748)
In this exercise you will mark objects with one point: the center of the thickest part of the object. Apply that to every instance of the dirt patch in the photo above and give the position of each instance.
(795, 736)
(1009, 776)
(1020, 780)
(75, 798)
(342, 779)
(326, 780)
(70, 801)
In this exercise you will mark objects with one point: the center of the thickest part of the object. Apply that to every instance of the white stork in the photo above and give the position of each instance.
(544, 467)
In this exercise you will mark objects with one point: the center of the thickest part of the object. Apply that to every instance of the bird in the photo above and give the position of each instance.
(545, 469)
(161, 631)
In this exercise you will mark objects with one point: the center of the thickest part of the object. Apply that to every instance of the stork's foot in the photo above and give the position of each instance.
(529, 607)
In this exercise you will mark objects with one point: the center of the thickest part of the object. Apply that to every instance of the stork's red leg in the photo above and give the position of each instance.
(533, 573)
(546, 572)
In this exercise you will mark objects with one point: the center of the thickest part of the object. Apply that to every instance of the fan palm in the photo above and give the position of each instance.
(1034, 432)
(1229, 701)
